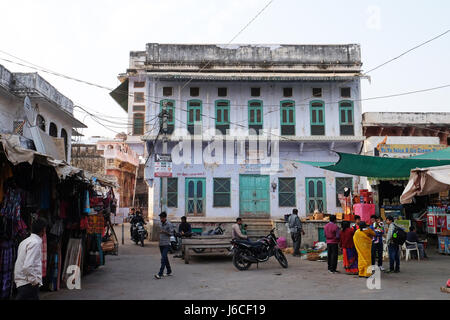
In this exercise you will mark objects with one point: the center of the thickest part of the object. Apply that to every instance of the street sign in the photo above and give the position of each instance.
(163, 158)
(163, 165)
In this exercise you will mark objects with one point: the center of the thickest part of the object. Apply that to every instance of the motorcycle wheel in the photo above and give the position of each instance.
(281, 258)
(136, 241)
(142, 242)
(199, 250)
(239, 262)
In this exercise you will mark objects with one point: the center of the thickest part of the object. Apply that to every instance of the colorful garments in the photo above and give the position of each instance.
(350, 260)
(363, 244)
(7, 258)
(96, 224)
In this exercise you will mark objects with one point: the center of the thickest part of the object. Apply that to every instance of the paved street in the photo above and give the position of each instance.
(130, 276)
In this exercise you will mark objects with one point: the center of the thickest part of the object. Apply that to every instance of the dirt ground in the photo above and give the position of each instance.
(130, 276)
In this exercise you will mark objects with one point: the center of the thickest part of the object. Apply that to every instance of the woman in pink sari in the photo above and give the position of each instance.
(348, 249)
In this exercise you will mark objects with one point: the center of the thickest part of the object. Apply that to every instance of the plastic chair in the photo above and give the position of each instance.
(411, 246)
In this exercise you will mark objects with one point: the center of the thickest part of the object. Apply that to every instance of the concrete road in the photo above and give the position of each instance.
(130, 276)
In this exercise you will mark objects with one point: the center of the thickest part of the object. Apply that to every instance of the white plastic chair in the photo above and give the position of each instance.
(411, 246)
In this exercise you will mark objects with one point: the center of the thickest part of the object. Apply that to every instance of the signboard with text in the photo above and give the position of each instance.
(407, 150)
(163, 165)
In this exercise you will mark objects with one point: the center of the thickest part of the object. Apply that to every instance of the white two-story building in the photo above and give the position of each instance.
(257, 109)
(28, 101)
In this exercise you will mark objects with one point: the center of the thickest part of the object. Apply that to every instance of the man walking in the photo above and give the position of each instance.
(164, 245)
(332, 235)
(295, 227)
(28, 267)
(393, 248)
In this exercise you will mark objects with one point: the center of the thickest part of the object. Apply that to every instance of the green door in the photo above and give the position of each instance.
(315, 195)
(254, 196)
(195, 196)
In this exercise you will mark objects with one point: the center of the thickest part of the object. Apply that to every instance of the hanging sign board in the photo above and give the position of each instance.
(163, 165)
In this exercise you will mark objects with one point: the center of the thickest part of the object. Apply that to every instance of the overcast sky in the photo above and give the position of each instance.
(91, 40)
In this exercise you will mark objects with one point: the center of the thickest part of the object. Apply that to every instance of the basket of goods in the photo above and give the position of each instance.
(313, 256)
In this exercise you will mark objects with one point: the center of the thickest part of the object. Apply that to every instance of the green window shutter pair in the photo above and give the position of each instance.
(172, 192)
(346, 113)
(222, 112)
(194, 112)
(170, 110)
(222, 192)
(255, 112)
(286, 192)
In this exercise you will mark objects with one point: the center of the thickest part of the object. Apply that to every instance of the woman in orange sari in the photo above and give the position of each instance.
(363, 243)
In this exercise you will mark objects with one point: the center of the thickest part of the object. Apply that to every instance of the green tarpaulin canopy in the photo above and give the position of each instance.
(381, 167)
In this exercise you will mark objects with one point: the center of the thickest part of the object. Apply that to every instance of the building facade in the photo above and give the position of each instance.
(238, 119)
(28, 101)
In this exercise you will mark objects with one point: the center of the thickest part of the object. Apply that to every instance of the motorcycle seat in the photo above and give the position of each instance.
(249, 243)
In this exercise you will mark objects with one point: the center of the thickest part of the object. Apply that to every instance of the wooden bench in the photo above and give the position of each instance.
(204, 242)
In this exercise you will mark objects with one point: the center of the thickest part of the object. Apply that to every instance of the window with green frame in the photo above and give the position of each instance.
(346, 118)
(138, 124)
(286, 192)
(317, 112)
(223, 115)
(287, 117)
(255, 115)
(172, 192)
(222, 192)
(194, 115)
(170, 107)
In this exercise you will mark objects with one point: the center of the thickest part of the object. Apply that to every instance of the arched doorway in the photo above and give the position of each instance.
(40, 122)
(53, 130)
(64, 136)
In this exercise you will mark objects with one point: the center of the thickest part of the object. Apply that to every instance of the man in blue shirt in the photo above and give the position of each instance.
(377, 241)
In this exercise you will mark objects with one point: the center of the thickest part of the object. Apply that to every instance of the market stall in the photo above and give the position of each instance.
(434, 183)
(75, 204)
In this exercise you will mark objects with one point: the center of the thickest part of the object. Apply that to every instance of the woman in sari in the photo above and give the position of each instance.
(348, 249)
(363, 243)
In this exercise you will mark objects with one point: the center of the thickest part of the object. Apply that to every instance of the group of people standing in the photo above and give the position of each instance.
(362, 245)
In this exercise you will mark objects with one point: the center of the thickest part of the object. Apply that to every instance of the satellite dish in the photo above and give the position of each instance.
(30, 112)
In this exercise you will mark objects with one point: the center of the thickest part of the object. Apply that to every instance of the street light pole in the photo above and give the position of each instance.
(164, 151)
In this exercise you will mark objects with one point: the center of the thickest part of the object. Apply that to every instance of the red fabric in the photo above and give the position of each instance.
(346, 240)
(84, 223)
(63, 209)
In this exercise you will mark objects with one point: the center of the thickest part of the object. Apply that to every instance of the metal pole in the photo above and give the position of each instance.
(164, 151)
(123, 232)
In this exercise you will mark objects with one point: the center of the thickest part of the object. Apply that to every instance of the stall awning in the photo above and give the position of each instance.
(16, 154)
(120, 95)
(380, 167)
(426, 181)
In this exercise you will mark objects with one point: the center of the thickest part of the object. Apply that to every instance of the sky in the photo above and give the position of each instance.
(91, 40)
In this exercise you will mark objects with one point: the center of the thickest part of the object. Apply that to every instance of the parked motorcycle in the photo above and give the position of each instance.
(139, 233)
(175, 242)
(217, 231)
(245, 252)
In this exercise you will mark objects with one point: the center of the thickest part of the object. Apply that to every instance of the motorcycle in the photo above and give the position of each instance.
(175, 242)
(139, 233)
(217, 231)
(245, 252)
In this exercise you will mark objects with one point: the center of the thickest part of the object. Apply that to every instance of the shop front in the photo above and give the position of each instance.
(76, 206)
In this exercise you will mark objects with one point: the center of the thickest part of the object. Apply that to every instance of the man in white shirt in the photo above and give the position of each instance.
(28, 267)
